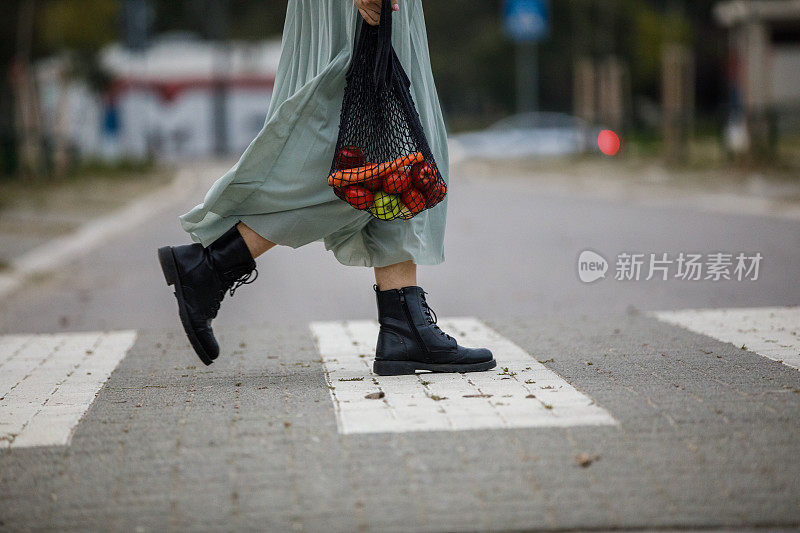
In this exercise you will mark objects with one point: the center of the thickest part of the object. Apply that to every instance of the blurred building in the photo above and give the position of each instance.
(179, 98)
(764, 68)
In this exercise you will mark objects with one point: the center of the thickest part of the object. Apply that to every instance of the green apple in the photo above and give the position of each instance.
(386, 206)
(405, 213)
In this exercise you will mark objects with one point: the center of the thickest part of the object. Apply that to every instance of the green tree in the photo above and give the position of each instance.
(83, 26)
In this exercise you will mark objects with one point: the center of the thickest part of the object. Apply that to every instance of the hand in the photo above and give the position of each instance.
(371, 10)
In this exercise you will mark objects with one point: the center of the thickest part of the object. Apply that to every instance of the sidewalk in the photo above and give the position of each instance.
(52, 227)
(729, 191)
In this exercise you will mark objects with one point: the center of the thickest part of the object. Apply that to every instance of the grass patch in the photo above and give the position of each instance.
(89, 189)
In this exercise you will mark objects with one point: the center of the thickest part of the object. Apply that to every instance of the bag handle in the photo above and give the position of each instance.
(381, 37)
(384, 50)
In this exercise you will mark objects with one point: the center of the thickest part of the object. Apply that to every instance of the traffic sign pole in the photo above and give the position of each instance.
(527, 22)
(527, 76)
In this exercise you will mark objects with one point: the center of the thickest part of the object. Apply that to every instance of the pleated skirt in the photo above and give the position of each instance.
(279, 185)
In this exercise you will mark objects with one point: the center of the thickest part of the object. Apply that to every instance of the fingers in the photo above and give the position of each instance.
(377, 4)
(372, 18)
(371, 10)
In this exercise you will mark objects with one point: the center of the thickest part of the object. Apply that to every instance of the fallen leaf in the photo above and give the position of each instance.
(584, 459)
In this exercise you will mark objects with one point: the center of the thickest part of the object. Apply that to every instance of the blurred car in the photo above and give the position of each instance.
(536, 134)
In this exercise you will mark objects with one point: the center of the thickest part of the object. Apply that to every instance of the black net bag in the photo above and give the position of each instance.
(383, 163)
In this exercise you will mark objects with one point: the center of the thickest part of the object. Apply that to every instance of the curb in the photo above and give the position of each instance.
(47, 257)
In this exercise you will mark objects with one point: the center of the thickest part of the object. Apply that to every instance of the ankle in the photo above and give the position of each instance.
(396, 276)
(256, 244)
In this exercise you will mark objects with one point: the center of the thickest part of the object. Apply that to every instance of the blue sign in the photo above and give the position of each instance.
(527, 20)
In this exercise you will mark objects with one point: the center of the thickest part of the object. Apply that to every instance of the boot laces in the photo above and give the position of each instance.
(430, 314)
(244, 279)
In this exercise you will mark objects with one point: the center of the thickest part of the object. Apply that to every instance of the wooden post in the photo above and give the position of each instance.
(26, 99)
(611, 95)
(584, 88)
(677, 100)
(61, 126)
(757, 97)
(28, 122)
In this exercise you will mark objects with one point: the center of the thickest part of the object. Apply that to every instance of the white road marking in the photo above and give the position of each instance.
(527, 394)
(47, 382)
(772, 332)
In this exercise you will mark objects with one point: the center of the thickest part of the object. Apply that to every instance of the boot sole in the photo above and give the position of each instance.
(170, 269)
(402, 368)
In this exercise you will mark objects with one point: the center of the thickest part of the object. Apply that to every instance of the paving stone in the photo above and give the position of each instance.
(170, 444)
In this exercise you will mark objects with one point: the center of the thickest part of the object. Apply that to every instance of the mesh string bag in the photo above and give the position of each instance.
(382, 164)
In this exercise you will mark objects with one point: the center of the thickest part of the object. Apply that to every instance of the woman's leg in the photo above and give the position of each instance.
(396, 276)
(255, 242)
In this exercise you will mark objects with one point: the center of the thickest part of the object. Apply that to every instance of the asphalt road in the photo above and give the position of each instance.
(705, 432)
(512, 251)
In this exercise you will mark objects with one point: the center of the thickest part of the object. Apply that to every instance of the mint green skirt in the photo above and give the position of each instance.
(279, 186)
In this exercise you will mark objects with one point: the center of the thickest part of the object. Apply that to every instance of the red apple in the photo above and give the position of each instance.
(350, 157)
(359, 197)
(397, 182)
(435, 193)
(373, 184)
(414, 200)
(423, 174)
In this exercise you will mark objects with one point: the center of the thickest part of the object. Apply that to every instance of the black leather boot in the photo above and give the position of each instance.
(409, 339)
(201, 277)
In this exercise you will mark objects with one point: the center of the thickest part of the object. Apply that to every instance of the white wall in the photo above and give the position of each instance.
(786, 74)
(177, 129)
(247, 110)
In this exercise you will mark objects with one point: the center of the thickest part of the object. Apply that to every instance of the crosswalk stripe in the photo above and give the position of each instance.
(48, 382)
(20, 355)
(772, 332)
(521, 392)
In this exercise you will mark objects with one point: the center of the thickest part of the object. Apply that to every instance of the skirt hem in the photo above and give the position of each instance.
(353, 260)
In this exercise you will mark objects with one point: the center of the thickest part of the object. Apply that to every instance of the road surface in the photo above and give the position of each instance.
(602, 413)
